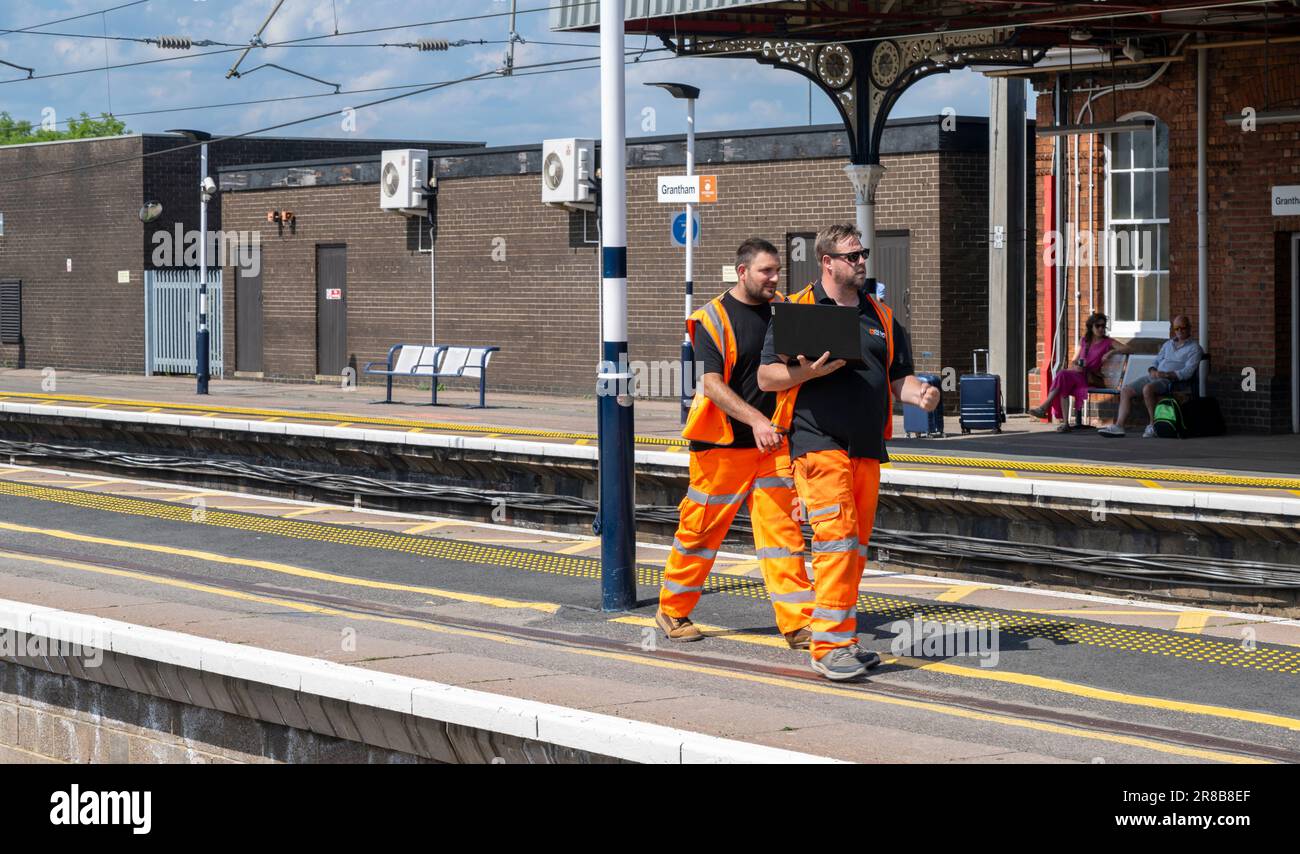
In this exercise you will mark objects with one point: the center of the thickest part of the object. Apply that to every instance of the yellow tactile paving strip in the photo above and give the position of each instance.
(1154, 478)
(1185, 646)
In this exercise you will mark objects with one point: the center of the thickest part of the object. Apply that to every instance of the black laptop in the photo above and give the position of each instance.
(810, 330)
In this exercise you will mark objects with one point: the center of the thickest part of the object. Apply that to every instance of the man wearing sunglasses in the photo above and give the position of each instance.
(1178, 360)
(838, 419)
(738, 458)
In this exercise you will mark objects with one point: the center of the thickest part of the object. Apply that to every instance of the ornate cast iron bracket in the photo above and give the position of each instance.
(865, 79)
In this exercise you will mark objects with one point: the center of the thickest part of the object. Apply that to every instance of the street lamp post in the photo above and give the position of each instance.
(207, 188)
(689, 94)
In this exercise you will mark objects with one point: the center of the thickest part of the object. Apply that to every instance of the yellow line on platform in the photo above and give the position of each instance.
(810, 688)
(283, 568)
(1084, 612)
(740, 567)
(306, 511)
(958, 592)
(1192, 476)
(1192, 621)
(924, 585)
(429, 526)
(1150, 484)
(1024, 679)
(578, 548)
(252, 597)
(1009, 473)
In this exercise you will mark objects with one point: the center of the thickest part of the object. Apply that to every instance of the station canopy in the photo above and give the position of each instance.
(1034, 23)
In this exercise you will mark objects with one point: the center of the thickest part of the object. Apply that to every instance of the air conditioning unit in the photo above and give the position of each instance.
(402, 180)
(567, 165)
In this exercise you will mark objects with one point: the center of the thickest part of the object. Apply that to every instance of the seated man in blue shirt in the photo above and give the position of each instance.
(1178, 360)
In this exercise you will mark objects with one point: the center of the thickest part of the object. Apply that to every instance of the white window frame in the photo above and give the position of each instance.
(1134, 328)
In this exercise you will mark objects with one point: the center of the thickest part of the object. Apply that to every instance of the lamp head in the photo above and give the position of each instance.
(679, 90)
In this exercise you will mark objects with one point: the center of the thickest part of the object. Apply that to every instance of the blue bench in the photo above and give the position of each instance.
(464, 362)
(407, 360)
(434, 362)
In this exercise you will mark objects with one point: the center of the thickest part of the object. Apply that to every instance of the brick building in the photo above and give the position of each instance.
(514, 273)
(74, 241)
(1144, 181)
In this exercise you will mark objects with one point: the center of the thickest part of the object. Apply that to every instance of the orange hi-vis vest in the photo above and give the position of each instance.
(706, 422)
(784, 413)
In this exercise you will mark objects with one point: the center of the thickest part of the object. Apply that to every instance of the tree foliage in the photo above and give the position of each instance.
(16, 132)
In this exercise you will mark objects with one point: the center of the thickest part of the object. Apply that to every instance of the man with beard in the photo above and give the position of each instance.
(737, 458)
(838, 419)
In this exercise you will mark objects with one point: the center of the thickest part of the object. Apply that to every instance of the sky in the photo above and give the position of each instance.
(736, 93)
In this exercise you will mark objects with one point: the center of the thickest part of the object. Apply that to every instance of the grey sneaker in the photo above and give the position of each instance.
(1150, 432)
(839, 664)
(868, 658)
(1111, 431)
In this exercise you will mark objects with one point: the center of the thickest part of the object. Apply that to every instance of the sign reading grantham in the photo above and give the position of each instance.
(688, 189)
(1286, 201)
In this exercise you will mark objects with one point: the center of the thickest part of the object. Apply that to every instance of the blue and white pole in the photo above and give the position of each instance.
(202, 345)
(614, 386)
(688, 351)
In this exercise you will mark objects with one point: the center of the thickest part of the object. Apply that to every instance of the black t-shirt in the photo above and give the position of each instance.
(846, 410)
(749, 325)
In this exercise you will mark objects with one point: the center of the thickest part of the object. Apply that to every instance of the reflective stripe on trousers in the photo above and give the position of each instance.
(840, 493)
(722, 479)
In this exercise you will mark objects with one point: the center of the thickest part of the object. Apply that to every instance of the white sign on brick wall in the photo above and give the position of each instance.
(1286, 201)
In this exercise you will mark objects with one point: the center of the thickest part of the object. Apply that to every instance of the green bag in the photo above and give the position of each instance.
(1169, 422)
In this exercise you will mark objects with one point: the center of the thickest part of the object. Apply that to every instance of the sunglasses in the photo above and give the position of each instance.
(851, 257)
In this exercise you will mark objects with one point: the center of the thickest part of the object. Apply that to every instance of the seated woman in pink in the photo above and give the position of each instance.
(1084, 370)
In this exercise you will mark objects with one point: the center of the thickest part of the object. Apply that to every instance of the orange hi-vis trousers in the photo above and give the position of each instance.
(722, 479)
(839, 495)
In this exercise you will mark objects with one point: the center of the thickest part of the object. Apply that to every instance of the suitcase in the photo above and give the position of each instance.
(921, 424)
(981, 399)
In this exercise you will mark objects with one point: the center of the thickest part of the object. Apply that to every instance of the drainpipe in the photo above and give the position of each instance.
(1202, 214)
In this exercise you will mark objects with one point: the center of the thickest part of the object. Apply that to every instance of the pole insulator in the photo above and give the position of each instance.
(175, 42)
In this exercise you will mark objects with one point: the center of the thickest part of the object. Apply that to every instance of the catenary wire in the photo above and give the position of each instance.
(332, 113)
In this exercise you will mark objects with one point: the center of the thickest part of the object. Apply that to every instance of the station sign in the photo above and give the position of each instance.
(1286, 201)
(687, 189)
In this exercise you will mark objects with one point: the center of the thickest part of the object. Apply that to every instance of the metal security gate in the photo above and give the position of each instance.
(171, 320)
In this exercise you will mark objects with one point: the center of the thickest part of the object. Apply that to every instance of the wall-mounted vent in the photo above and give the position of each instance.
(11, 311)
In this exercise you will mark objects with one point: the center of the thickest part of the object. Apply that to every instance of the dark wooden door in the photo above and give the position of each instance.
(248, 322)
(331, 309)
(893, 267)
(801, 263)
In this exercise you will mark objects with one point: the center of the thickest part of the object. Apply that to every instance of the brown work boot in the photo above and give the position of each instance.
(799, 638)
(678, 628)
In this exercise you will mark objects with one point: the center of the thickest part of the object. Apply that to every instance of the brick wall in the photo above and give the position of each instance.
(86, 318)
(539, 302)
(1249, 261)
(83, 318)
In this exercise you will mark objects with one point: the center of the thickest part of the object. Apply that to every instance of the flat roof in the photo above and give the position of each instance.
(911, 135)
